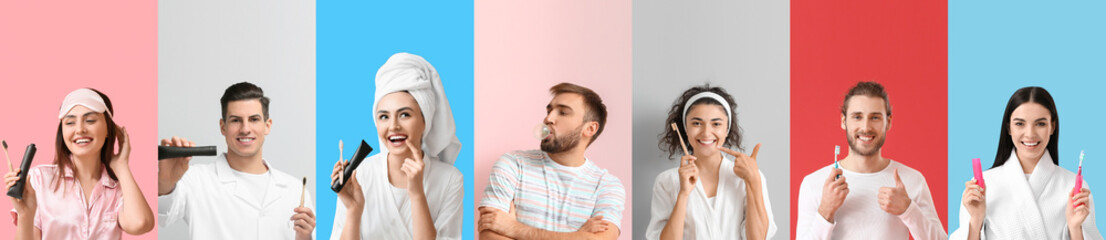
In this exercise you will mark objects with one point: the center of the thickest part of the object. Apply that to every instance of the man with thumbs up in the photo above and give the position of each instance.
(868, 196)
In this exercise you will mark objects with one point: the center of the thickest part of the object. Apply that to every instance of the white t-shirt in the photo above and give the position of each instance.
(860, 216)
(255, 185)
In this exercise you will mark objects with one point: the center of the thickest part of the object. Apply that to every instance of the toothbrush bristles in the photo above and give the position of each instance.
(1080, 158)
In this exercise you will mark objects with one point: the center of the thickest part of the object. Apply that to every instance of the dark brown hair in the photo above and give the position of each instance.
(1022, 96)
(596, 110)
(62, 153)
(871, 89)
(670, 141)
(244, 91)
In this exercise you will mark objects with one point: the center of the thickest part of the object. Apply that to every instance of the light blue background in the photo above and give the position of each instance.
(354, 40)
(994, 49)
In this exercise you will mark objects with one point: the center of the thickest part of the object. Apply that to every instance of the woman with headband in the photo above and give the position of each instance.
(89, 191)
(711, 195)
(414, 190)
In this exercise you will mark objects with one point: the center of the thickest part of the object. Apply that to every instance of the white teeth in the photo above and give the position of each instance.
(83, 140)
(1031, 144)
(397, 138)
(866, 138)
(245, 140)
(706, 141)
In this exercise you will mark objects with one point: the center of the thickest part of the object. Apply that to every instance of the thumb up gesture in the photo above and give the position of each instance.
(894, 200)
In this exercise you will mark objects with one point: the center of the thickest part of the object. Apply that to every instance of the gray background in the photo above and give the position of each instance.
(742, 46)
(205, 46)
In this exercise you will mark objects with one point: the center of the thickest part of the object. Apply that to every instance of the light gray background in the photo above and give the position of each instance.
(742, 46)
(205, 46)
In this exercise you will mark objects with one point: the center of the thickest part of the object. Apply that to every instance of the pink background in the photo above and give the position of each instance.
(48, 49)
(521, 49)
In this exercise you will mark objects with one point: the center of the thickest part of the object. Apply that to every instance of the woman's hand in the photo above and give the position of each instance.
(975, 200)
(28, 204)
(745, 166)
(412, 167)
(689, 174)
(350, 194)
(122, 159)
(1077, 210)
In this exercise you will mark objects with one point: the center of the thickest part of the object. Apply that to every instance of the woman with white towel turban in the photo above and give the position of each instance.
(415, 191)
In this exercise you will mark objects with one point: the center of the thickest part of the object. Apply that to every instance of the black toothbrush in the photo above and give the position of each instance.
(167, 152)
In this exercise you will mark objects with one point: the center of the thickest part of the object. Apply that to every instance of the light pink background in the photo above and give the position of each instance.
(521, 49)
(48, 49)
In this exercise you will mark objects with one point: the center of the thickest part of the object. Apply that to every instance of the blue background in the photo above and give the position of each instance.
(995, 49)
(353, 40)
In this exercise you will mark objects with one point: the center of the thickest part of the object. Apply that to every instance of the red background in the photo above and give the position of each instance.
(900, 44)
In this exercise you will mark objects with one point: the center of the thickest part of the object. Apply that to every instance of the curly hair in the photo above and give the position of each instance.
(670, 141)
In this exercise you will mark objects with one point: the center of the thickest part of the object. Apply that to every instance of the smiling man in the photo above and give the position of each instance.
(556, 193)
(869, 196)
(239, 195)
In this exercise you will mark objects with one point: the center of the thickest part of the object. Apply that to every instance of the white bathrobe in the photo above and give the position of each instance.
(384, 219)
(1027, 209)
(860, 216)
(724, 219)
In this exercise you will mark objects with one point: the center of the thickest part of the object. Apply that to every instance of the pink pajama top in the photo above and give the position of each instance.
(64, 214)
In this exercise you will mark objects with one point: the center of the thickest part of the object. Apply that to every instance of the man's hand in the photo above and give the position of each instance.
(595, 224)
(304, 221)
(170, 171)
(834, 191)
(894, 200)
(498, 221)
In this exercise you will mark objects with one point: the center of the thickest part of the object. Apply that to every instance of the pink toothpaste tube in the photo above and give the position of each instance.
(978, 170)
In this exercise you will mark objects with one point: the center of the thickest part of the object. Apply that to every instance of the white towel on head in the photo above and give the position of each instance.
(412, 73)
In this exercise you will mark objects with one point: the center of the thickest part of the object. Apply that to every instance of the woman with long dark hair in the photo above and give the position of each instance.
(1027, 195)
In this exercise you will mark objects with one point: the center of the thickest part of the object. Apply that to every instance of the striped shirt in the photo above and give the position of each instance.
(551, 196)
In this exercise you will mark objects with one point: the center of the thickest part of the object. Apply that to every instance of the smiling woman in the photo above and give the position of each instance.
(414, 171)
(713, 179)
(1027, 193)
(87, 181)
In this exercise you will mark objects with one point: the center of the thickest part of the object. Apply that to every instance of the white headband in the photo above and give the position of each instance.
(84, 97)
(711, 95)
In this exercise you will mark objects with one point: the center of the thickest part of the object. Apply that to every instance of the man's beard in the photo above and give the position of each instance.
(559, 144)
(852, 145)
